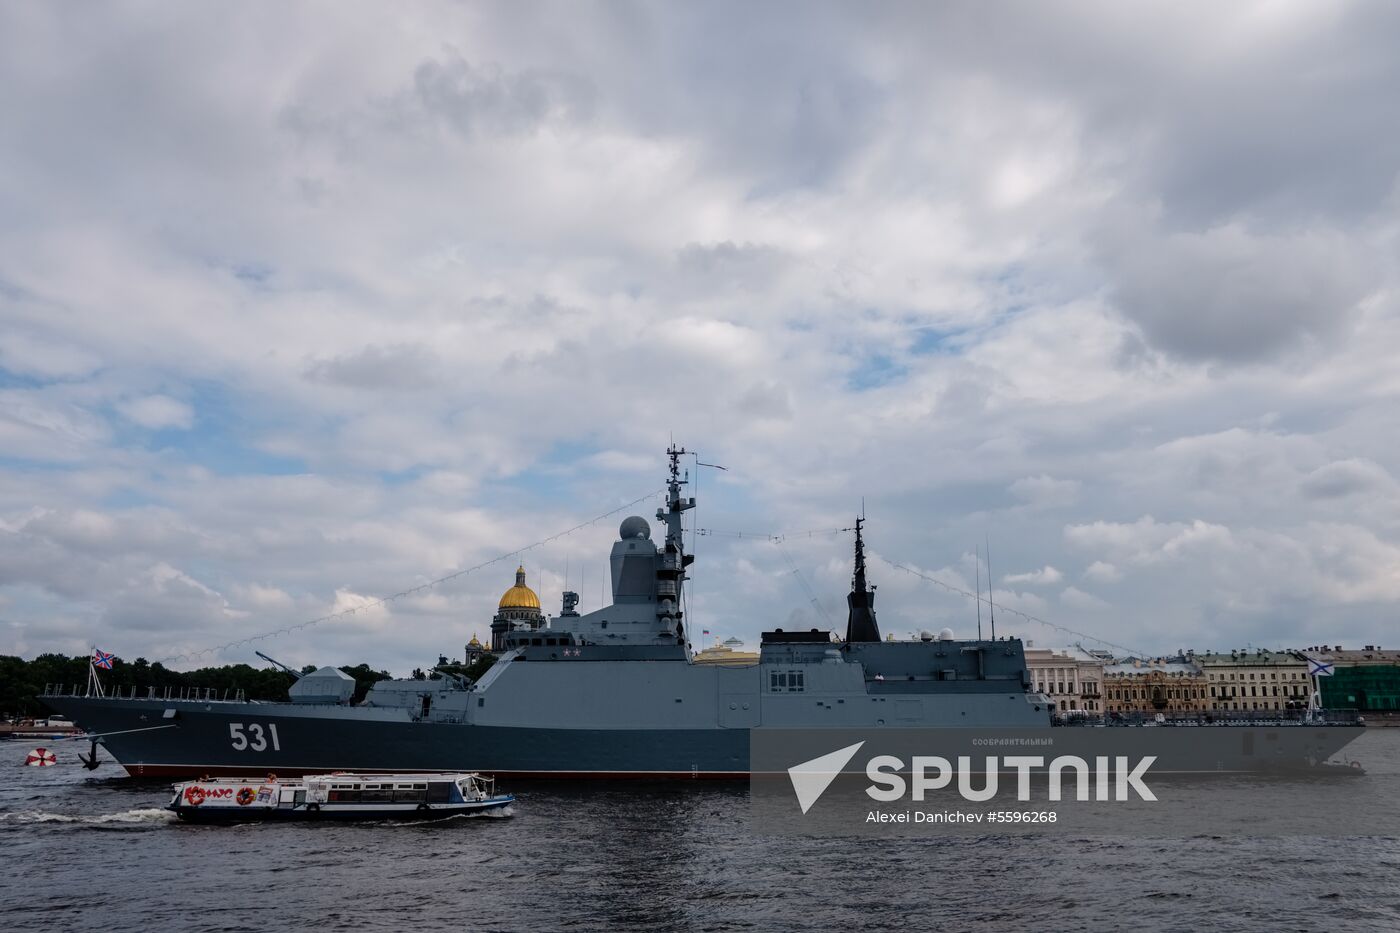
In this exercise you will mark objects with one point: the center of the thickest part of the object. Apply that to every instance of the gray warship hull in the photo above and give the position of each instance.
(192, 738)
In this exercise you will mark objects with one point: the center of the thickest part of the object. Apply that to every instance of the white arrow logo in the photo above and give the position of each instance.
(811, 778)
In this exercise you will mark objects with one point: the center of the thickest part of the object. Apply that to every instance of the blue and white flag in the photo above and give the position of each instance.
(1318, 668)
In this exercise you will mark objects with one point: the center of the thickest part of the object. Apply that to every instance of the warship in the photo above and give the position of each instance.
(617, 693)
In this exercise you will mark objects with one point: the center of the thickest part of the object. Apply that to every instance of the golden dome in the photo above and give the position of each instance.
(474, 642)
(519, 596)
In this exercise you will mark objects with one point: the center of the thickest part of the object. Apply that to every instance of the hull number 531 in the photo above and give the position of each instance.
(254, 736)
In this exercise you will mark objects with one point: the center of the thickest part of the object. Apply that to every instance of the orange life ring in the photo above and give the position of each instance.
(245, 796)
(194, 795)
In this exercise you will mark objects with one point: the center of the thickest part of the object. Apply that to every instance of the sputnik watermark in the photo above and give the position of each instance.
(885, 770)
(1108, 778)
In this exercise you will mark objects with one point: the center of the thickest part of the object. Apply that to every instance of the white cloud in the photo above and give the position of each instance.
(157, 412)
(1103, 572)
(1075, 598)
(1044, 492)
(1044, 576)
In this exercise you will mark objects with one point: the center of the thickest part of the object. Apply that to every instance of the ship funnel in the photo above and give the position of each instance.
(860, 623)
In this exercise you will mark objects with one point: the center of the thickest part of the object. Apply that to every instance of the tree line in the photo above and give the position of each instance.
(21, 681)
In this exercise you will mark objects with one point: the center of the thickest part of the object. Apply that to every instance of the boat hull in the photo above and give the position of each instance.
(331, 812)
(157, 738)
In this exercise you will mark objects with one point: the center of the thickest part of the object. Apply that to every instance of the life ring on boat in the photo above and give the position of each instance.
(245, 796)
(194, 795)
(1356, 765)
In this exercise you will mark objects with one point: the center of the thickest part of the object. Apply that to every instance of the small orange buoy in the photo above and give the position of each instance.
(41, 758)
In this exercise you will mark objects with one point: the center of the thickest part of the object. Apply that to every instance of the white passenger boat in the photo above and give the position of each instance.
(338, 796)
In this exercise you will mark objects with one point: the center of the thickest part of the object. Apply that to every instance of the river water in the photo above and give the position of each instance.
(84, 850)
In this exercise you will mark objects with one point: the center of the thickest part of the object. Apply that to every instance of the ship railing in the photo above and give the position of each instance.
(165, 692)
(1327, 717)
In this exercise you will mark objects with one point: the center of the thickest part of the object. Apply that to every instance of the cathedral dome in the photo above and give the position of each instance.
(519, 596)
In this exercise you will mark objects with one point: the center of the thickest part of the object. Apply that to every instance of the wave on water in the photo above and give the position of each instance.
(501, 813)
(147, 815)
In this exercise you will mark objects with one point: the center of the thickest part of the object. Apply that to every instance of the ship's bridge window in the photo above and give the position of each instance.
(787, 681)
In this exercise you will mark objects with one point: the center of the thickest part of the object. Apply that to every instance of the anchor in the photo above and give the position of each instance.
(90, 761)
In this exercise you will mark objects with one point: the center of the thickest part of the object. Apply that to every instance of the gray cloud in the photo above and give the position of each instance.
(489, 100)
(396, 367)
(1226, 294)
(1344, 478)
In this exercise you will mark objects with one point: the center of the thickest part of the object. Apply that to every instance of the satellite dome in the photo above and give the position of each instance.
(925, 635)
(945, 635)
(634, 526)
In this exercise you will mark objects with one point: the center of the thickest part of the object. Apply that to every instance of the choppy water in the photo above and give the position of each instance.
(86, 851)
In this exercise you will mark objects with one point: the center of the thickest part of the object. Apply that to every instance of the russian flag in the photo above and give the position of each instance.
(102, 659)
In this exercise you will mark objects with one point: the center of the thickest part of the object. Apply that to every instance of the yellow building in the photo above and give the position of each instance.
(726, 654)
(1258, 680)
(1157, 685)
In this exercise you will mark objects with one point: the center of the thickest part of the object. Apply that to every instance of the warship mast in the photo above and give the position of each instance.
(670, 571)
(860, 622)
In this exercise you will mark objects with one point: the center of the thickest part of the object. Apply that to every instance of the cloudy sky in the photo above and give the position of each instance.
(302, 305)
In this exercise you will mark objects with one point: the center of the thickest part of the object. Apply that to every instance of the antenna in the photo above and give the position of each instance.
(977, 561)
(991, 606)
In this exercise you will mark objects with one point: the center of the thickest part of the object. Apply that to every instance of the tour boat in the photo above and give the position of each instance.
(338, 796)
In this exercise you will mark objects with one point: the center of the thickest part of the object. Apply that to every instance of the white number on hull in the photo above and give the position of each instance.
(255, 738)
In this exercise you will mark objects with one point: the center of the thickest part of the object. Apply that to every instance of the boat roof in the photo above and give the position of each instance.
(375, 777)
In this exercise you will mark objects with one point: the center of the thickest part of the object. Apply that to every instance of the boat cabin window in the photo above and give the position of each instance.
(344, 796)
(787, 681)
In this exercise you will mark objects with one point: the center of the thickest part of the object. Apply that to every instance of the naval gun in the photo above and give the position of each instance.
(297, 674)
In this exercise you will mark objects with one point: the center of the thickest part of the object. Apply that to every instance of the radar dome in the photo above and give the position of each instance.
(634, 527)
(945, 635)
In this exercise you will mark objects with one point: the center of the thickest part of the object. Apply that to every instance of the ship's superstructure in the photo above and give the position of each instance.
(613, 692)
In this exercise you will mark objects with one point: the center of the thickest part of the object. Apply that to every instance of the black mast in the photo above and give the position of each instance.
(860, 622)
